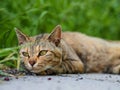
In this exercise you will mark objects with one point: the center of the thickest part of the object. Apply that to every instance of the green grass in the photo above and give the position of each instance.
(99, 18)
(10, 58)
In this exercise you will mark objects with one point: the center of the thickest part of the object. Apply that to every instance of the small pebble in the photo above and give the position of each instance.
(79, 79)
(6, 79)
(58, 81)
(118, 81)
(49, 78)
(110, 76)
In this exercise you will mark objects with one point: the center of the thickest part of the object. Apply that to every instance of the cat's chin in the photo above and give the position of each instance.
(42, 71)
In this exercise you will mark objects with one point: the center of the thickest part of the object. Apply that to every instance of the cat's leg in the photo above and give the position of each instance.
(116, 69)
(47, 72)
(72, 66)
(68, 67)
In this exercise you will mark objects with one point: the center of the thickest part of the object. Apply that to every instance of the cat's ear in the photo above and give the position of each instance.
(55, 35)
(22, 38)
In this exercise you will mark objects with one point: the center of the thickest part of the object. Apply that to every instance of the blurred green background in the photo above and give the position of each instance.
(99, 18)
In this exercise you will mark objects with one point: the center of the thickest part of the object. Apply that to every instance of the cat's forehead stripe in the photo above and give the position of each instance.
(39, 37)
(37, 47)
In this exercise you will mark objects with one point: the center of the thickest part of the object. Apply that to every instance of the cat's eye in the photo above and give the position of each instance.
(25, 54)
(43, 52)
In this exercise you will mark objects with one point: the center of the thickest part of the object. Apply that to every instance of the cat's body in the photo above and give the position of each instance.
(97, 55)
(74, 53)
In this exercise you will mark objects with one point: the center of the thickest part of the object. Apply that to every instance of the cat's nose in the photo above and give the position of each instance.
(32, 62)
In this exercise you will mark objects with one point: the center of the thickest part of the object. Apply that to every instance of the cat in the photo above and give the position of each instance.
(68, 53)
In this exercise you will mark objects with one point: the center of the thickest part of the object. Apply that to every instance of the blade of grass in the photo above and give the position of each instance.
(5, 74)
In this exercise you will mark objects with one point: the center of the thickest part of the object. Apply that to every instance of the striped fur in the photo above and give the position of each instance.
(68, 52)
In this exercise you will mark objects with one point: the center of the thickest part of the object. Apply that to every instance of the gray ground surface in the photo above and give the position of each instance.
(64, 82)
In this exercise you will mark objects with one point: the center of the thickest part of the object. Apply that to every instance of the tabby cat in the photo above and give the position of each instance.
(68, 52)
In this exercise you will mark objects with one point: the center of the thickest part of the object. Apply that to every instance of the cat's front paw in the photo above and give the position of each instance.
(116, 69)
(50, 72)
(43, 73)
(47, 72)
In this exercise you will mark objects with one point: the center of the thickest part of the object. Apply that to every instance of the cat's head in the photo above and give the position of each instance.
(41, 54)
